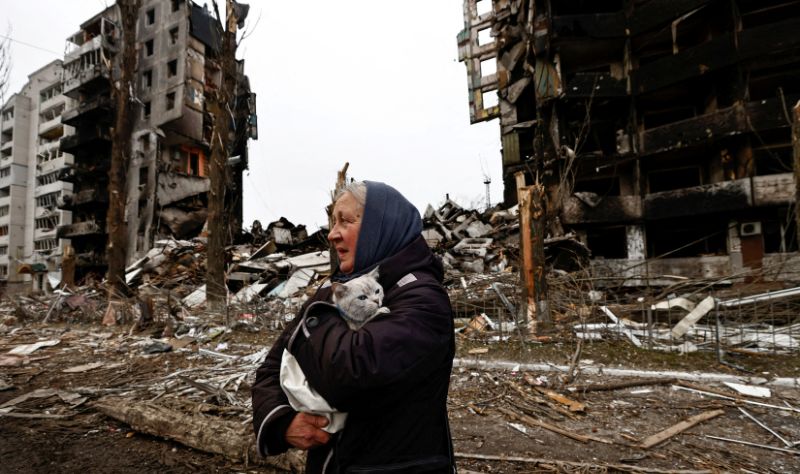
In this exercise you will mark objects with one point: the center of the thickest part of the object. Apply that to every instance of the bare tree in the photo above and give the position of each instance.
(5, 63)
(121, 137)
(219, 107)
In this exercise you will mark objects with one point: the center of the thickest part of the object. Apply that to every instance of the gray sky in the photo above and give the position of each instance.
(374, 83)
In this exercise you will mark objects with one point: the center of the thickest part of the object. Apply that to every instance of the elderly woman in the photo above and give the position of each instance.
(391, 376)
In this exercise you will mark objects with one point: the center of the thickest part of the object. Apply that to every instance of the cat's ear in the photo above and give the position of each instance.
(339, 290)
(375, 273)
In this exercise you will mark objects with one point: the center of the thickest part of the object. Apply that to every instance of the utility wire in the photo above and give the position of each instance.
(29, 45)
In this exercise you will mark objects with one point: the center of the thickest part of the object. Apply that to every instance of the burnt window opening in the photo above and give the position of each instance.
(143, 172)
(146, 110)
(686, 237)
(173, 35)
(490, 99)
(150, 16)
(194, 164)
(607, 242)
(489, 67)
(176, 5)
(144, 143)
(483, 7)
(172, 68)
(779, 234)
(485, 37)
(584, 7)
(668, 180)
(148, 47)
(170, 101)
(147, 78)
(773, 159)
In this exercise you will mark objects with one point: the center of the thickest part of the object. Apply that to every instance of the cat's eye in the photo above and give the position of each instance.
(362, 297)
(377, 291)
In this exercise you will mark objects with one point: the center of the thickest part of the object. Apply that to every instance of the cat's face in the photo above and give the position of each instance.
(360, 297)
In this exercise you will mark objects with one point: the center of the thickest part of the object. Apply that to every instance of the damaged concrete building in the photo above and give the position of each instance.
(178, 45)
(661, 129)
(30, 159)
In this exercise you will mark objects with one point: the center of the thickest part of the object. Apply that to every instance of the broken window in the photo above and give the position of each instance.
(488, 67)
(144, 142)
(146, 110)
(3, 270)
(485, 37)
(143, 172)
(687, 237)
(170, 101)
(483, 7)
(151, 16)
(8, 114)
(3, 249)
(147, 78)
(607, 242)
(46, 179)
(779, 232)
(172, 68)
(47, 223)
(176, 4)
(5, 172)
(45, 244)
(192, 161)
(173, 35)
(3, 230)
(48, 200)
(50, 92)
(4, 210)
(490, 99)
(148, 48)
(667, 180)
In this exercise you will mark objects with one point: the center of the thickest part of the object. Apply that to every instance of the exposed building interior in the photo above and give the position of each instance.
(55, 147)
(660, 129)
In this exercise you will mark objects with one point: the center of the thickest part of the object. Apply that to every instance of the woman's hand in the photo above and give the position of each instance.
(305, 431)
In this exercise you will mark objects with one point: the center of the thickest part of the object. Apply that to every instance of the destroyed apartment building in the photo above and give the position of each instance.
(178, 64)
(661, 130)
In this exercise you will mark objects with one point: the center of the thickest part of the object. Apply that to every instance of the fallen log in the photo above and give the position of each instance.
(198, 431)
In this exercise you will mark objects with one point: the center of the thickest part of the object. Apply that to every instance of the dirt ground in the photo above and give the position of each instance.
(62, 434)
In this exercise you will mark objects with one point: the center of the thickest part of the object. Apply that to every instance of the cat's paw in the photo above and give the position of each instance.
(382, 310)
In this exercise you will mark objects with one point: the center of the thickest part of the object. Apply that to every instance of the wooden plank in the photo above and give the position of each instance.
(541, 424)
(604, 387)
(678, 428)
(572, 405)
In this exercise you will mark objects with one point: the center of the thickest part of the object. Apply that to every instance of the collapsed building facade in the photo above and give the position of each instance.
(178, 45)
(661, 129)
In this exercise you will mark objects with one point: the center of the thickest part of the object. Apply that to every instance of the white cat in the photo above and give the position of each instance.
(359, 299)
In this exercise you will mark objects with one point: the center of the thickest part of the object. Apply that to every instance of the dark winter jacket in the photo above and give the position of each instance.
(391, 376)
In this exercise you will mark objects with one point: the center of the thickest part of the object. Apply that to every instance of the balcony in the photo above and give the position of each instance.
(85, 137)
(55, 164)
(84, 66)
(80, 229)
(51, 129)
(48, 188)
(93, 110)
(87, 196)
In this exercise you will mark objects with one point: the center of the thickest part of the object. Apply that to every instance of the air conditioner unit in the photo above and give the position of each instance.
(749, 228)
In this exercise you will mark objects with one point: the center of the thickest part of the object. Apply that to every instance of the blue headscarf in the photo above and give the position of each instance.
(388, 224)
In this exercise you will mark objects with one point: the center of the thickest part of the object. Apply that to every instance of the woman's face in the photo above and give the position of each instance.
(344, 233)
